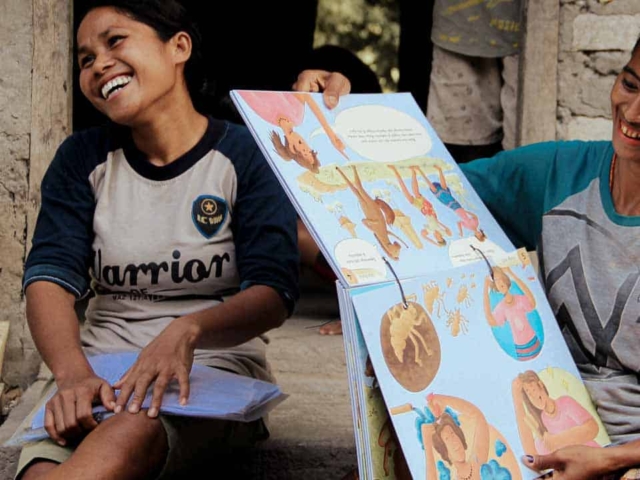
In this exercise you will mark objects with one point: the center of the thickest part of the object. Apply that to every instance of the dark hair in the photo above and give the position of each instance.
(532, 377)
(166, 17)
(446, 420)
(636, 46)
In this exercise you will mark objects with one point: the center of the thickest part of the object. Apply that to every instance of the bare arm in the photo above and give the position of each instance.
(577, 435)
(475, 422)
(487, 304)
(526, 435)
(443, 181)
(580, 462)
(523, 287)
(55, 330)
(170, 355)
(335, 140)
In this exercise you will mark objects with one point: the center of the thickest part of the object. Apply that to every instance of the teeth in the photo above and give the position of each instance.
(627, 132)
(109, 87)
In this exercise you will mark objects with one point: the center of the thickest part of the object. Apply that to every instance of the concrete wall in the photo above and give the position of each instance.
(594, 44)
(16, 50)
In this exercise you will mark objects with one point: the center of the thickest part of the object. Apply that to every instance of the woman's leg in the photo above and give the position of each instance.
(126, 446)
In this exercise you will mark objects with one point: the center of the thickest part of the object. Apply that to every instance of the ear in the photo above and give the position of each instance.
(181, 47)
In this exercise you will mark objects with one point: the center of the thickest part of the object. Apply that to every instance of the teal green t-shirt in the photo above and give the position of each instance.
(555, 197)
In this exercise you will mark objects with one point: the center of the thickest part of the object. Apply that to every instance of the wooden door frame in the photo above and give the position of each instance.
(538, 75)
(51, 91)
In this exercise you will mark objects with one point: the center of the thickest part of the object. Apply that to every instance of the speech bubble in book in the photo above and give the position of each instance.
(360, 261)
(410, 345)
(382, 133)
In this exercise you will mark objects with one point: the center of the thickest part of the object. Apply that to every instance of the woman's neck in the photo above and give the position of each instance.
(464, 470)
(550, 407)
(170, 131)
(625, 186)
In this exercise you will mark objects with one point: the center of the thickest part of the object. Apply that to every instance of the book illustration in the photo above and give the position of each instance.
(553, 410)
(510, 309)
(376, 157)
(345, 222)
(467, 219)
(402, 221)
(433, 230)
(472, 365)
(410, 345)
(470, 318)
(287, 111)
(377, 215)
(458, 442)
(359, 261)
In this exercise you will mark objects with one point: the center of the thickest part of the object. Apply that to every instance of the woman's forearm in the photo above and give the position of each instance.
(244, 316)
(578, 435)
(621, 456)
(55, 330)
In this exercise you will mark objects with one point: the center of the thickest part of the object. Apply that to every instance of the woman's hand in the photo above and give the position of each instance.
(332, 84)
(68, 414)
(436, 404)
(571, 463)
(169, 356)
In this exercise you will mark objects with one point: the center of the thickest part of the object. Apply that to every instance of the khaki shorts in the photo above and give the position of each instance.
(190, 441)
(472, 100)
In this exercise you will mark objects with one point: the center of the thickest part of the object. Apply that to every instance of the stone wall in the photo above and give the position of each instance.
(16, 50)
(595, 41)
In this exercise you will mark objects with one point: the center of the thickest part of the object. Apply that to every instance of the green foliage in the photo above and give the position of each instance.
(369, 28)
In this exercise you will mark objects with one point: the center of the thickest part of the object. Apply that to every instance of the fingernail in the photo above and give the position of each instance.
(118, 408)
(153, 412)
(332, 100)
(62, 443)
(183, 401)
(527, 458)
(133, 408)
(112, 405)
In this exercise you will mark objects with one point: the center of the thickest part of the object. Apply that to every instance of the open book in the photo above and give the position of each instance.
(454, 357)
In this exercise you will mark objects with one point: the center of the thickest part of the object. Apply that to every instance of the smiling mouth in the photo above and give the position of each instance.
(628, 132)
(115, 85)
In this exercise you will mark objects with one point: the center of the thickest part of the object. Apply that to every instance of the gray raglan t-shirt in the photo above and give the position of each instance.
(556, 196)
(156, 243)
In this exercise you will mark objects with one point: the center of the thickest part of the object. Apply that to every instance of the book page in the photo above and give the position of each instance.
(372, 182)
(474, 371)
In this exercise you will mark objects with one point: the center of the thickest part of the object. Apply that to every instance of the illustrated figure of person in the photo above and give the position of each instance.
(467, 456)
(377, 214)
(512, 309)
(442, 192)
(547, 424)
(432, 226)
(286, 110)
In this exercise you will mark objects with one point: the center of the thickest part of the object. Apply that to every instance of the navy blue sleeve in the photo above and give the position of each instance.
(264, 228)
(61, 245)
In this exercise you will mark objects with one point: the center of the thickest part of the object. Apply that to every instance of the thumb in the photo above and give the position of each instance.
(107, 396)
(540, 462)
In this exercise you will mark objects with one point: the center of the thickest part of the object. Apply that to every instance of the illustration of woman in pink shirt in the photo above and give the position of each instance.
(286, 111)
(513, 308)
(546, 424)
